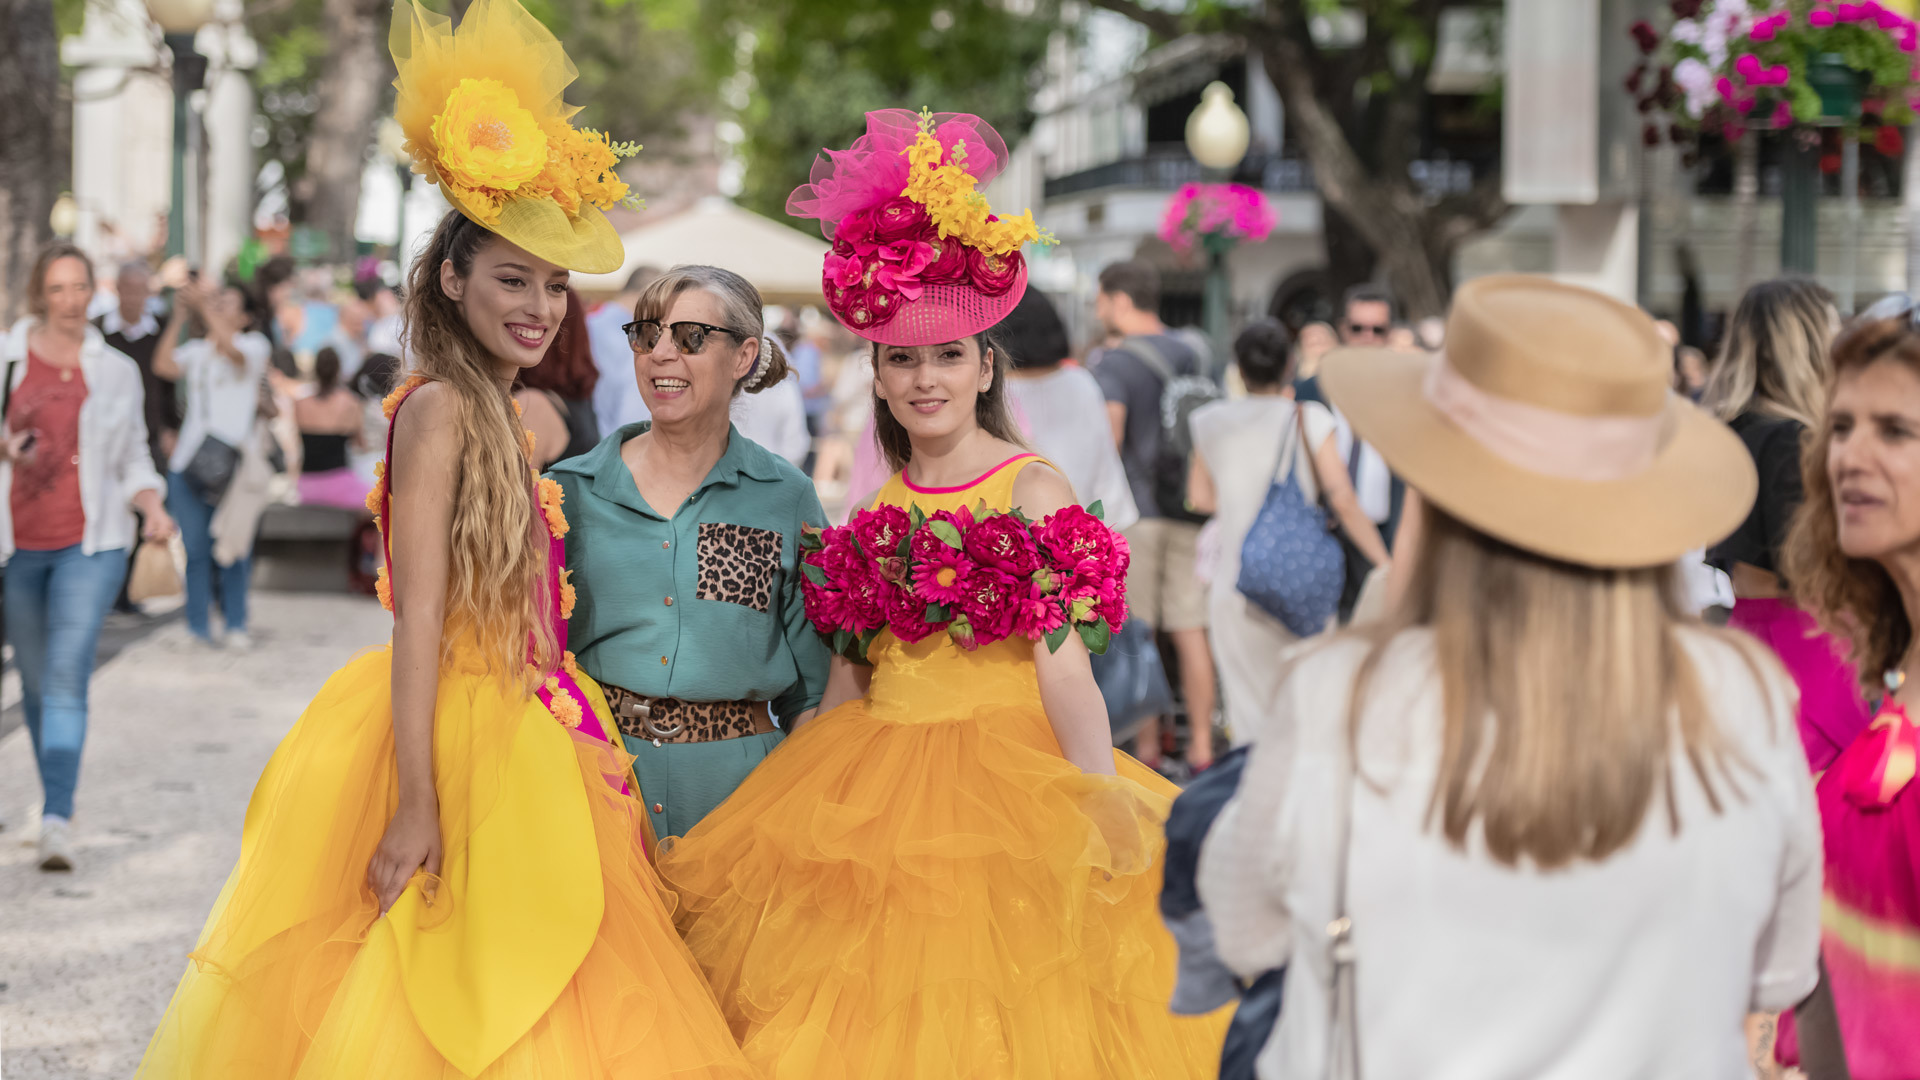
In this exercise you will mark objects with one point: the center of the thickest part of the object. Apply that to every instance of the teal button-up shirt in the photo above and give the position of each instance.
(705, 606)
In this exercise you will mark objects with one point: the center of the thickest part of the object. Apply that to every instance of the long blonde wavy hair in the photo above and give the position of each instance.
(497, 586)
(1563, 690)
(1855, 599)
(1774, 360)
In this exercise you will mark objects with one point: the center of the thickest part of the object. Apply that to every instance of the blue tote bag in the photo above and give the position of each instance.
(1291, 564)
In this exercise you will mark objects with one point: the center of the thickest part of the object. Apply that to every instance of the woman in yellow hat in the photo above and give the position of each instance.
(439, 872)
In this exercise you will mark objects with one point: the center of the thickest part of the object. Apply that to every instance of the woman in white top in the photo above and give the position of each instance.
(1238, 446)
(219, 372)
(1062, 409)
(1581, 840)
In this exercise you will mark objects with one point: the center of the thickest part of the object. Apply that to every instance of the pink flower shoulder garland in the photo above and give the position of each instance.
(979, 578)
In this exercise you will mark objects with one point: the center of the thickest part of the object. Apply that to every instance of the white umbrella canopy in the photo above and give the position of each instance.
(781, 261)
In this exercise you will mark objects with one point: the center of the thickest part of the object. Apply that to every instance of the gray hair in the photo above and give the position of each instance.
(744, 312)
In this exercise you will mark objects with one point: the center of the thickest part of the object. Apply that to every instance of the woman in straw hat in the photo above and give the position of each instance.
(1539, 822)
(439, 874)
(1854, 559)
(952, 873)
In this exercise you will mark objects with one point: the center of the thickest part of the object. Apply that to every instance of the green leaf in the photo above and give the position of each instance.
(938, 613)
(906, 546)
(916, 517)
(813, 573)
(1097, 636)
(842, 639)
(865, 642)
(1057, 638)
(945, 530)
(1098, 509)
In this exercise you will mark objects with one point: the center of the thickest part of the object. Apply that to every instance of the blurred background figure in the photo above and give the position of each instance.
(1064, 408)
(556, 395)
(616, 392)
(132, 326)
(1366, 319)
(1238, 448)
(74, 465)
(776, 415)
(332, 425)
(1769, 386)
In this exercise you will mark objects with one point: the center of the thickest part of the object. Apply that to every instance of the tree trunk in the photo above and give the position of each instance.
(1350, 261)
(29, 165)
(350, 88)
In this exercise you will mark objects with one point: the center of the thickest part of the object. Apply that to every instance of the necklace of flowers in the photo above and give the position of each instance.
(977, 575)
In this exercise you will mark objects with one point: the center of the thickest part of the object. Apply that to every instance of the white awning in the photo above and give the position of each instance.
(781, 261)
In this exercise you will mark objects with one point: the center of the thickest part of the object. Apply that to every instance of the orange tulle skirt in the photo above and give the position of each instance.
(544, 950)
(939, 899)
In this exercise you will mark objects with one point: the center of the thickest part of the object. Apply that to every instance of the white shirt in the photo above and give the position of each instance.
(115, 464)
(616, 397)
(1066, 415)
(221, 397)
(776, 418)
(1642, 965)
(148, 324)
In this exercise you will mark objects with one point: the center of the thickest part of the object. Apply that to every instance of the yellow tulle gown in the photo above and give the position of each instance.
(918, 885)
(544, 949)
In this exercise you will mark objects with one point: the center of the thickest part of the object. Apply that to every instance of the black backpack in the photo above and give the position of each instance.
(1180, 395)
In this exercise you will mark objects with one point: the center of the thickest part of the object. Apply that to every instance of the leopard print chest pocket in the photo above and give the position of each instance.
(738, 564)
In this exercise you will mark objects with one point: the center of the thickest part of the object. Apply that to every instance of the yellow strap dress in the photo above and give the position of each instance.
(544, 949)
(918, 885)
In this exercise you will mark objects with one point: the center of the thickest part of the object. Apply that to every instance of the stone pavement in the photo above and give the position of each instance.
(177, 736)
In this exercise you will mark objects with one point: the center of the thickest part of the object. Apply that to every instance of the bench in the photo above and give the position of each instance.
(306, 548)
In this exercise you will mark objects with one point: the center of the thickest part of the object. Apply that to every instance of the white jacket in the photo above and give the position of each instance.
(115, 464)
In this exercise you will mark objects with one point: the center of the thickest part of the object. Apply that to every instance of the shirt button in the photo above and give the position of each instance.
(659, 809)
(75, 459)
(666, 543)
(663, 661)
(669, 601)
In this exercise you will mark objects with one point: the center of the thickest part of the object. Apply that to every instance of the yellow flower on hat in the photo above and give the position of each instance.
(940, 181)
(486, 140)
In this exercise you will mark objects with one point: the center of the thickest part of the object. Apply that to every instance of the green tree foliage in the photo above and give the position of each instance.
(802, 74)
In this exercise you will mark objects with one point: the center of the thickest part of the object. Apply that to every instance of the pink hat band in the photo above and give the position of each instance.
(1594, 449)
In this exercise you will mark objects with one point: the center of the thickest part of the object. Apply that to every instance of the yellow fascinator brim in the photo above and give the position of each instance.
(483, 116)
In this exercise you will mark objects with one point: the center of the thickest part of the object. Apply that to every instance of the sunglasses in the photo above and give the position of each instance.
(1891, 306)
(688, 337)
(1376, 329)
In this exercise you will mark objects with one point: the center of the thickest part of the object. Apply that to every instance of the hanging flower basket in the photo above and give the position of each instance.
(1215, 217)
(1725, 66)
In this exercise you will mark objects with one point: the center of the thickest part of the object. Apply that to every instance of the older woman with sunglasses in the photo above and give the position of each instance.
(685, 542)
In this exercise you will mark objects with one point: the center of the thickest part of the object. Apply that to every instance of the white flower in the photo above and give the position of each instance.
(1686, 32)
(1697, 80)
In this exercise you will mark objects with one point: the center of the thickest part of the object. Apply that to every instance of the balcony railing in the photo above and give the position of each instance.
(1166, 167)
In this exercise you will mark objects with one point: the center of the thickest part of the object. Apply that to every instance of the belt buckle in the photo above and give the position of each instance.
(639, 710)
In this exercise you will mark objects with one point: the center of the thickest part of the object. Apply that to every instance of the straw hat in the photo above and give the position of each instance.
(1549, 423)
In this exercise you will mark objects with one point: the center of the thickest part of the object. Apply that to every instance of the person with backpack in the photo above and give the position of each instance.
(1153, 382)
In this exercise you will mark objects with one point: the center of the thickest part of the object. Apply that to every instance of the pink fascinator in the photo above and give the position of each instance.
(918, 257)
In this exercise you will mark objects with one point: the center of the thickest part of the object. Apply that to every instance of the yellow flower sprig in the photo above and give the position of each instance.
(938, 179)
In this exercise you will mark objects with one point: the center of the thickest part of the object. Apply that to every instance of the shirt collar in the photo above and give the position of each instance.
(609, 478)
(113, 323)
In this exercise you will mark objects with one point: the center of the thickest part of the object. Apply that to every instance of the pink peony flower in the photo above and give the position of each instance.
(907, 616)
(949, 265)
(900, 218)
(880, 530)
(856, 228)
(1037, 615)
(993, 275)
(1004, 544)
(827, 609)
(1081, 544)
(867, 601)
(989, 604)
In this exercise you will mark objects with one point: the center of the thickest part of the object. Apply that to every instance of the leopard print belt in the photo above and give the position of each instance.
(671, 720)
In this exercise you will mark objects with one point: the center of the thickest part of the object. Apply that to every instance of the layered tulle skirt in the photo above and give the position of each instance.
(939, 900)
(544, 950)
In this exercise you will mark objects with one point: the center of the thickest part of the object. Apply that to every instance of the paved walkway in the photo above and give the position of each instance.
(178, 736)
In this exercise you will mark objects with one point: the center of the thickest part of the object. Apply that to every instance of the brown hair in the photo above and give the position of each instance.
(1563, 689)
(568, 368)
(37, 280)
(744, 312)
(497, 589)
(1137, 280)
(1774, 359)
(991, 409)
(1856, 599)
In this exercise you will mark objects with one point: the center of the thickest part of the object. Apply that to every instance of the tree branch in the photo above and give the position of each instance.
(1167, 24)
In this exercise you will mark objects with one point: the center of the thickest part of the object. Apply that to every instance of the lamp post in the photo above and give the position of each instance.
(179, 20)
(1217, 137)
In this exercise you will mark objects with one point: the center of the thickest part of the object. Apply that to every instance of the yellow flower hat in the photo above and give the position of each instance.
(484, 119)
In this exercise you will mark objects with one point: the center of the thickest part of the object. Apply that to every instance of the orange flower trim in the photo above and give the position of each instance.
(571, 665)
(391, 403)
(530, 442)
(383, 588)
(551, 496)
(567, 596)
(564, 706)
(377, 494)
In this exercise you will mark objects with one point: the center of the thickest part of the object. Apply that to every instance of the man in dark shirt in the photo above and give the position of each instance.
(134, 328)
(1161, 587)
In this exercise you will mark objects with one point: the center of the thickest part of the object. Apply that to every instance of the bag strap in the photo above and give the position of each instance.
(1343, 1039)
(6, 390)
(1149, 354)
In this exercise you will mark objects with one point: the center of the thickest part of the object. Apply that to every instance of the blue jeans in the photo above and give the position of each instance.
(195, 518)
(56, 601)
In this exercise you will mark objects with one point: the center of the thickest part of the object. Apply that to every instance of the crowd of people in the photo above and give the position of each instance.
(755, 680)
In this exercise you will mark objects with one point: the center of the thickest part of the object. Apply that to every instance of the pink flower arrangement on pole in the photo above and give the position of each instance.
(1216, 216)
(1724, 65)
(977, 578)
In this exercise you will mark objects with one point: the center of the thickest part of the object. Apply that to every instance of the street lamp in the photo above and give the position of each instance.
(1217, 137)
(65, 217)
(179, 20)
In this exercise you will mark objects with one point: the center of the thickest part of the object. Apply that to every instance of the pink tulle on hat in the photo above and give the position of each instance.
(910, 269)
